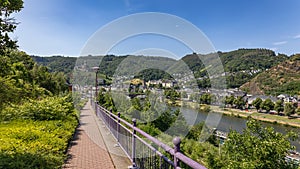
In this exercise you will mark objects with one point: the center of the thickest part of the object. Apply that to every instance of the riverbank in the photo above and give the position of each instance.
(270, 118)
(264, 117)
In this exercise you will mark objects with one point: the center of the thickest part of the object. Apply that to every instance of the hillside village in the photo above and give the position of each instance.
(194, 87)
(230, 98)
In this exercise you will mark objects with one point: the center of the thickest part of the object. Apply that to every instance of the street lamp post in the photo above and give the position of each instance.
(96, 69)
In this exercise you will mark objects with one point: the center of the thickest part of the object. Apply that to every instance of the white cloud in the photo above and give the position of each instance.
(297, 36)
(280, 43)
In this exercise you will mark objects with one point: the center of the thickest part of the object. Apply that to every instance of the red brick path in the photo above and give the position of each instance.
(88, 150)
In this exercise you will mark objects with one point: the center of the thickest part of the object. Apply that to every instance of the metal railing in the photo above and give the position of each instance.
(143, 152)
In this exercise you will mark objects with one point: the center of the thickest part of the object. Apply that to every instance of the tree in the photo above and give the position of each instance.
(256, 103)
(109, 102)
(136, 104)
(7, 23)
(101, 96)
(229, 100)
(239, 102)
(279, 106)
(54, 83)
(267, 105)
(21, 79)
(205, 98)
(289, 109)
(257, 147)
(196, 130)
(179, 126)
(172, 94)
(164, 121)
(9, 92)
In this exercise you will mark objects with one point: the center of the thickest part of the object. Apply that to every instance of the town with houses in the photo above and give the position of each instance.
(183, 85)
(186, 85)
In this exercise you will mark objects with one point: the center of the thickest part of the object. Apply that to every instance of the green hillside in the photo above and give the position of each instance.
(282, 78)
(133, 65)
(57, 63)
(240, 65)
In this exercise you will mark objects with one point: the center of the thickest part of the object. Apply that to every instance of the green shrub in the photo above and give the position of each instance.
(49, 108)
(150, 129)
(34, 144)
(36, 134)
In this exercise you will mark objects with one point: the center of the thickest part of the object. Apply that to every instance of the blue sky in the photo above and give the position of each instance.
(62, 27)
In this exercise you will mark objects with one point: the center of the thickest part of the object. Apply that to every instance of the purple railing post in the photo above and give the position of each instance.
(133, 142)
(97, 109)
(95, 106)
(176, 142)
(109, 119)
(118, 126)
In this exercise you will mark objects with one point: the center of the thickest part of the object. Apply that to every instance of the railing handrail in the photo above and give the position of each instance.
(188, 161)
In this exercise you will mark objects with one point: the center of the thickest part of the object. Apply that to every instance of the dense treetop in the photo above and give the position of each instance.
(8, 23)
(20, 77)
(57, 63)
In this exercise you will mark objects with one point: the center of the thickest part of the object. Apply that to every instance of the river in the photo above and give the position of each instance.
(226, 123)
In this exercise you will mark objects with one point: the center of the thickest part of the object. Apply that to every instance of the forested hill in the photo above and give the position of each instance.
(240, 65)
(282, 78)
(108, 64)
(141, 66)
(57, 63)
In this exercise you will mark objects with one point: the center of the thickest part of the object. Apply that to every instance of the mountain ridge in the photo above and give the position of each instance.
(241, 65)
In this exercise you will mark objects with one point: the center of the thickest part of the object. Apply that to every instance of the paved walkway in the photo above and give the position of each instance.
(93, 146)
